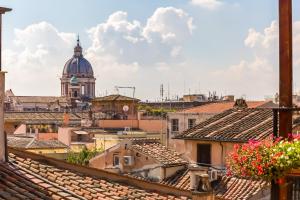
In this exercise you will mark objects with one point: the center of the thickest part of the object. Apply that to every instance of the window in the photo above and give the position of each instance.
(82, 90)
(204, 154)
(175, 124)
(191, 123)
(116, 160)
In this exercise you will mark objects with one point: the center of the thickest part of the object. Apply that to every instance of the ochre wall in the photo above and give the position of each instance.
(64, 135)
(218, 158)
(151, 126)
(118, 123)
(47, 136)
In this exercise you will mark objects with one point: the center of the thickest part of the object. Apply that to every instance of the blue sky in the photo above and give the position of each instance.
(210, 47)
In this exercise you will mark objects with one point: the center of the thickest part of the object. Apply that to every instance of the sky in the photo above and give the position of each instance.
(189, 46)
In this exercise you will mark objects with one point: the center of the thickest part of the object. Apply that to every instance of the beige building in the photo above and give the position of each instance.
(76, 139)
(145, 158)
(116, 106)
(49, 148)
(181, 121)
(33, 103)
(208, 143)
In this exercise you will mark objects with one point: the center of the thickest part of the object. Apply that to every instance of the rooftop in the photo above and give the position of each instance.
(39, 99)
(237, 188)
(115, 97)
(219, 107)
(233, 125)
(46, 117)
(31, 176)
(226, 188)
(153, 149)
(33, 143)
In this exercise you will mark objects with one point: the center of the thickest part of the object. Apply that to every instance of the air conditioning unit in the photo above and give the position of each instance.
(213, 175)
(128, 160)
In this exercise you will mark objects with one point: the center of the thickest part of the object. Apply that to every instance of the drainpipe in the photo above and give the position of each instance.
(3, 147)
(222, 154)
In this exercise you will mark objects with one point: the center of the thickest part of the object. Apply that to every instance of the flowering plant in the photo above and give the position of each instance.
(267, 159)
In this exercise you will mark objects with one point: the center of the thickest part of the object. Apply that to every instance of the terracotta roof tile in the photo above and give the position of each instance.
(39, 99)
(157, 151)
(229, 188)
(181, 180)
(236, 188)
(236, 125)
(32, 143)
(219, 107)
(19, 181)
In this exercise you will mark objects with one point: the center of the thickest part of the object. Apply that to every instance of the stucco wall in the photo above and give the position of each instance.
(177, 145)
(217, 157)
(64, 135)
(118, 123)
(153, 126)
(142, 164)
(47, 136)
(183, 119)
(21, 129)
(170, 171)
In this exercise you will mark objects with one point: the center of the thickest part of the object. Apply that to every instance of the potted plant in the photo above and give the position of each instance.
(267, 159)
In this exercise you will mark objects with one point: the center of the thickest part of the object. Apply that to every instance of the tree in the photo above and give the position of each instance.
(83, 157)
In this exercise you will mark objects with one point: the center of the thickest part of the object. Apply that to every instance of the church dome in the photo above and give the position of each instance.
(78, 66)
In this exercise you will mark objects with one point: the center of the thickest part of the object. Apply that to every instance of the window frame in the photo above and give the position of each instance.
(176, 129)
(116, 156)
(193, 123)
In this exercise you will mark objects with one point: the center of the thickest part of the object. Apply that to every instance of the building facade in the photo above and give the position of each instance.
(78, 81)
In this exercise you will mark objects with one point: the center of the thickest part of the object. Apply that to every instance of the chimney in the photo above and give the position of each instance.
(66, 118)
(240, 103)
(3, 144)
(199, 179)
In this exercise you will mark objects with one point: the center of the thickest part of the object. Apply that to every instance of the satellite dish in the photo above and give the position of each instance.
(125, 108)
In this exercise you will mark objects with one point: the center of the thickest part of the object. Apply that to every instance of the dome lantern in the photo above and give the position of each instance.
(78, 49)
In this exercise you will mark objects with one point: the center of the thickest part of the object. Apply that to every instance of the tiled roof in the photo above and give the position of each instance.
(20, 183)
(234, 125)
(157, 151)
(39, 99)
(228, 188)
(32, 143)
(181, 180)
(239, 189)
(25, 178)
(222, 106)
(32, 117)
(115, 97)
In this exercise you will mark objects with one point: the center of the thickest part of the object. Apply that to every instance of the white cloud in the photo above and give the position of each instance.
(36, 61)
(259, 76)
(120, 48)
(160, 40)
(207, 4)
